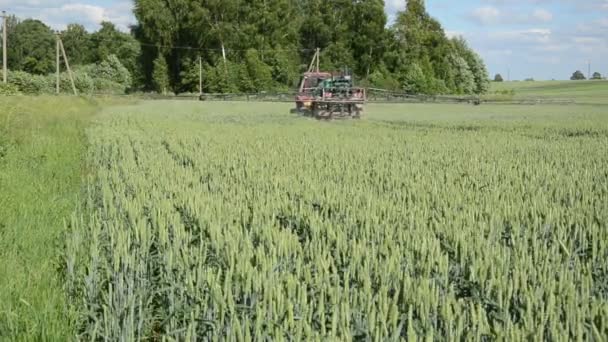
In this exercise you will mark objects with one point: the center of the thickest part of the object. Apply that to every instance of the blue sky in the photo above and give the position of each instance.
(543, 39)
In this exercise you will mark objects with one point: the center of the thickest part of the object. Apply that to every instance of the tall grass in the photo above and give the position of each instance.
(42, 143)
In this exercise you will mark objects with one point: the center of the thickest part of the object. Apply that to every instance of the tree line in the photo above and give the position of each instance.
(576, 76)
(260, 45)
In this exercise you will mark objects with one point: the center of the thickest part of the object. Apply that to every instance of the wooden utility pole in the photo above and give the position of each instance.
(4, 45)
(67, 65)
(315, 61)
(200, 75)
(58, 80)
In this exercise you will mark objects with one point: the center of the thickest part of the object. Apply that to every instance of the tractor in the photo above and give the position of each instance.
(326, 95)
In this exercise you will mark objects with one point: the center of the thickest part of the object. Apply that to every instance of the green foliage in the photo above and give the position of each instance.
(31, 84)
(109, 77)
(113, 70)
(8, 89)
(413, 80)
(32, 47)
(285, 68)
(78, 45)
(82, 81)
(464, 80)
(40, 180)
(258, 72)
(596, 76)
(383, 79)
(578, 76)
(190, 76)
(109, 41)
(161, 75)
(476, 65)
(352, 35)
(498, 78)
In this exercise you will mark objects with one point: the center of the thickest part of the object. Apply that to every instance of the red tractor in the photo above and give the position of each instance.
(327, 95)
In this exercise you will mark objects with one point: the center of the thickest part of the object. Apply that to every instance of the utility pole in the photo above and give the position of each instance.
(200, 75)
(67, 65)
(4, 45)
(60, 50)
(58, 80)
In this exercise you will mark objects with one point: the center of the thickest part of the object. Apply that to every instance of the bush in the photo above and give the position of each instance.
(383, 79)
(107, 77)
(8, 89)
(82, 81)
(30, 84)
(112, 69)
(103, 86)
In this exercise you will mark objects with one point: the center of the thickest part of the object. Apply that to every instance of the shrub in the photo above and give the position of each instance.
(8, 89)
(30, 84)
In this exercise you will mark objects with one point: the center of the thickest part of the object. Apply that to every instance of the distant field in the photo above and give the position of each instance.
(583, 92)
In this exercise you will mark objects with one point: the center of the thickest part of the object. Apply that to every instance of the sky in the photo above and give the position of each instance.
(540, 39)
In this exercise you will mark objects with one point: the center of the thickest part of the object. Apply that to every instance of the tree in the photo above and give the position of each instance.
(160, 75)
(578, 76)
(413, 80)
(258, 72)
(108, 40)
(78, 45)
(32, 47)
(368, 28)
(239, 41)
(464, 78)
(478, 68)
(498, 78)
(596, 76)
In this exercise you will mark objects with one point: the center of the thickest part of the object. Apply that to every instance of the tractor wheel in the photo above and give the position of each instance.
(316, 111)
(358, 109)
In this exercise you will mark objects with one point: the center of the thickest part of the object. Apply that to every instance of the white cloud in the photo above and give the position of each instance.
(542, 15)
(486, 15)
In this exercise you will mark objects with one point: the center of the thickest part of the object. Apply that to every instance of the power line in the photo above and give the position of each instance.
(199, 49)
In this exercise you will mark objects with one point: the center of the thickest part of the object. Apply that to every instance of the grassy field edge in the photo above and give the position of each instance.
(42, 149)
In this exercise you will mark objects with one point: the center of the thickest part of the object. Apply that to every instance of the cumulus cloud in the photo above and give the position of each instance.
(494, 15)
